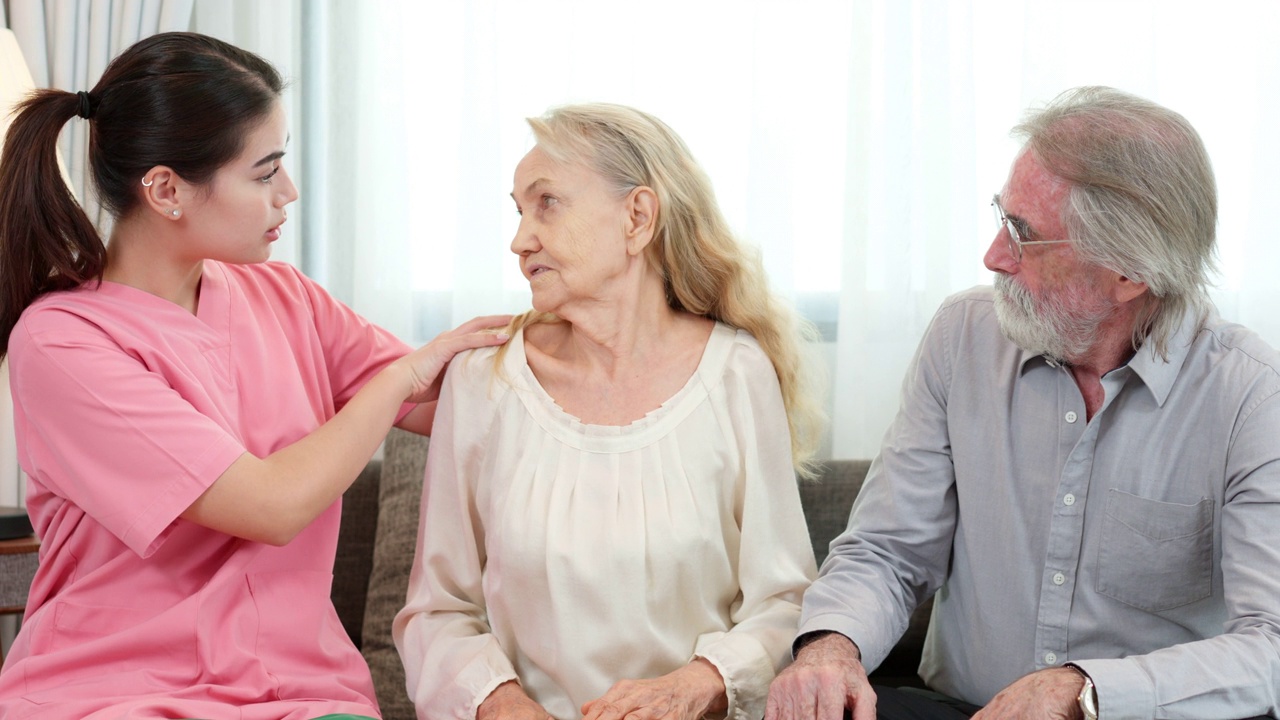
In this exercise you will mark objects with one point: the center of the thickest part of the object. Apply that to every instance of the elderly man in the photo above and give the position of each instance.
(1085, 467)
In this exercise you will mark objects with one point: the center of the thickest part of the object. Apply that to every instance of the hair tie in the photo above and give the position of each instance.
(86, 107)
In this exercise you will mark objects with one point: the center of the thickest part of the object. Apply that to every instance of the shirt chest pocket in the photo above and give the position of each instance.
(1155, 555)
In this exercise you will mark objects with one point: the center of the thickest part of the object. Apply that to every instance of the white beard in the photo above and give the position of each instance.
(1062, 325)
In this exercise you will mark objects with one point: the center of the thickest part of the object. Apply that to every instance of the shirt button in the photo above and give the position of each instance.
(1059, 578)
(1071, 416)
(1068, 499)
(1050, 658)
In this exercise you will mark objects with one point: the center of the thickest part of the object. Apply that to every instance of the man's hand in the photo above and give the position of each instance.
(1048, 694)
(509, 701)
(826, 678)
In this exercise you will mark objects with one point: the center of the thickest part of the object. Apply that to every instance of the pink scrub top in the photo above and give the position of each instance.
(126, 409)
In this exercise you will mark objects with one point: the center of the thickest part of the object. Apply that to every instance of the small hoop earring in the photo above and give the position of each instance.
(147, 184)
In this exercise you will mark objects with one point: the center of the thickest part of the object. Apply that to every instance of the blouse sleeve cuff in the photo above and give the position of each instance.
(487, 688)
(745, 668)
(488, 669)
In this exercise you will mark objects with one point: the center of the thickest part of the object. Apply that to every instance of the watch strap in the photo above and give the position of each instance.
(1088, 697)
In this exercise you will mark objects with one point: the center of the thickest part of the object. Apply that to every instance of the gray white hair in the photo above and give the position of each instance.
(1143, 201)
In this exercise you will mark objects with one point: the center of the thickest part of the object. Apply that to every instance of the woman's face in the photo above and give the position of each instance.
(572, 239)
(238, 216)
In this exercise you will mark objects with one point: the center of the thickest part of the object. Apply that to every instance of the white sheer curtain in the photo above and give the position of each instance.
(856, 143)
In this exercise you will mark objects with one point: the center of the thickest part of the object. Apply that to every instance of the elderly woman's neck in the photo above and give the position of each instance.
(613, 368)
(621, 334)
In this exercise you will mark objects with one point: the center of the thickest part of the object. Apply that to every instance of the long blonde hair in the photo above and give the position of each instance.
(705, 270)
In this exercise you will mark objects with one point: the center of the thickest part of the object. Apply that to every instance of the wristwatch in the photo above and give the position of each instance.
(1088, 699)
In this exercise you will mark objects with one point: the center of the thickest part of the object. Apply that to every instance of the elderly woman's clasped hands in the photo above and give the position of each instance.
(684, 694)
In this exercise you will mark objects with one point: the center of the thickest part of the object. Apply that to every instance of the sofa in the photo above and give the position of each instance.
(379, 531)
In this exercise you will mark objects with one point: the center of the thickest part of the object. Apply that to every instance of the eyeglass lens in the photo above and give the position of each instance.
(1015, 241)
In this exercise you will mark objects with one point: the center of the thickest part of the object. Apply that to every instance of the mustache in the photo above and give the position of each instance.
(1017, 294)
(1006, 286)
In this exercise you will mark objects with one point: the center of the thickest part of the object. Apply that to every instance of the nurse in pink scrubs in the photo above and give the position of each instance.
(188, 413)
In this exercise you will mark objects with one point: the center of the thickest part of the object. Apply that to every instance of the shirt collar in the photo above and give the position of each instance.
(1156, 373)
(1159, 374)
(1025, 356)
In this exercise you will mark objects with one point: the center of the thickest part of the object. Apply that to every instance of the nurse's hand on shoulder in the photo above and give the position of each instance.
(508, 701)
(826, 677)
(425, 366)
(685, 694)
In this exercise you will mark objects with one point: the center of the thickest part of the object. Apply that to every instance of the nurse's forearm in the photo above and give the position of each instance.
(272, 499)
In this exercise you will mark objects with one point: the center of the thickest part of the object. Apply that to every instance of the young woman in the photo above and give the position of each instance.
(187, 413)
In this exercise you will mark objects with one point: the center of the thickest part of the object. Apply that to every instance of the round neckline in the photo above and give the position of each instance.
(643, 431)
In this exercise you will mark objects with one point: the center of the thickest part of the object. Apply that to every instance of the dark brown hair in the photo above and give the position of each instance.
(181, 100)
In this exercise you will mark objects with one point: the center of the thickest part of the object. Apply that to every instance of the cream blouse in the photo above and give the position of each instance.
(572, 556)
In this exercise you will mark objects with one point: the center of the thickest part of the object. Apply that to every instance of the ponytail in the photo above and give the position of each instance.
(47, 242)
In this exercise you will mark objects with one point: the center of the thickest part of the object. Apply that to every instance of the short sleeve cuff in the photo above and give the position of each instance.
(146, 535)
(1124, 688)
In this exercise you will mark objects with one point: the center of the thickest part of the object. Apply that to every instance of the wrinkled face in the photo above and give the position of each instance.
(572, 235)
(1051, 302)
(238, 215)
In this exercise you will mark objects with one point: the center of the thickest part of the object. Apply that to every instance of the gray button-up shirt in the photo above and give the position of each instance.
(1142, 545)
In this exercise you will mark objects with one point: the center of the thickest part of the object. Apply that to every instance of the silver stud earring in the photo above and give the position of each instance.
(147, 184)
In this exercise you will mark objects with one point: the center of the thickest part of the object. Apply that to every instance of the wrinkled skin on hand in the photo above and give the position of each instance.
(508, 701)
(826, 677)
(685, 694)
(1048, 694)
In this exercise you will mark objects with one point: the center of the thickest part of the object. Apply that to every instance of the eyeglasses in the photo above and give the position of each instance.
(1015, 236)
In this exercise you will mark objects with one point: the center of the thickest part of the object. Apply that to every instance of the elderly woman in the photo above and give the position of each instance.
(611, 525)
